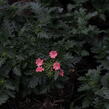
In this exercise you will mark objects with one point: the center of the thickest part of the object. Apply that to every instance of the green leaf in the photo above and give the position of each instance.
(9, 86)
(107, 105)
(17, 71)
(86, 103)
(84, 88)
(56, 75)
(3, 98)
(84, 53)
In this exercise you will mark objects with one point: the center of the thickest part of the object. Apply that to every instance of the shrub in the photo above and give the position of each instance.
(94, 90)
(23, 39)
(30, 30)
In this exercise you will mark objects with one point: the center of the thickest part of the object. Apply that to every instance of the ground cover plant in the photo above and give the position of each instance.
(54, 54)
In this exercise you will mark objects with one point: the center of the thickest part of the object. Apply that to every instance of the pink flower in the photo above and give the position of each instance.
(53, 54)
(39, 69)
(56, 66)
(61, 73)
(39, 62)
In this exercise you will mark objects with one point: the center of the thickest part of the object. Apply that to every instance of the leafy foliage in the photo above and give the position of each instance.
(31, 29)
(95, 90)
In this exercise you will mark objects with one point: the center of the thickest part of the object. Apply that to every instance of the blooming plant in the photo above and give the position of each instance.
(77, 29)
(51, 66)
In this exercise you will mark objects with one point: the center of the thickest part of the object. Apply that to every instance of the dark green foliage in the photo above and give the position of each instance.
(96, 91)
(29, 30)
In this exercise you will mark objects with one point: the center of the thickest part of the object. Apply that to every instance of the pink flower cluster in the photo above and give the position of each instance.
(56, 65)
(39, 63)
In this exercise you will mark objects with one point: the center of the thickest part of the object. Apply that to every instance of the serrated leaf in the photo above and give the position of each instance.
(3, 99)
(9, 86)
(17, 71)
